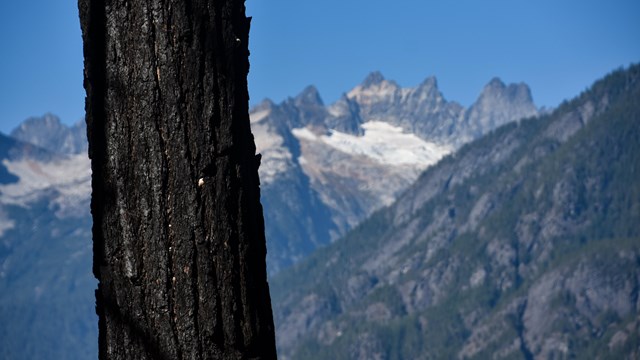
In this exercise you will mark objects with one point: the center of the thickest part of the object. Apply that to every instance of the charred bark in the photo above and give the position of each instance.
(179, 246)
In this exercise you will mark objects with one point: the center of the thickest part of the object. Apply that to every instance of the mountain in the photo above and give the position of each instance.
(49, 133)
(334, 165)
(46, 284)
(522, 244)
(424, 111)
(325, 168)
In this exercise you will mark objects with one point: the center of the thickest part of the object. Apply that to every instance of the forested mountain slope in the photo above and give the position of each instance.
(324, 169)
(523, 244)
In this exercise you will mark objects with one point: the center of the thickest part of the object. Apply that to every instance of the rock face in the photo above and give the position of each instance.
(324, 169)
(522, 244)
(497, 105)
(49, 133)
(334, 165)
(47, 304)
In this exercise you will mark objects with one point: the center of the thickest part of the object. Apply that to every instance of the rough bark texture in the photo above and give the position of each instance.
(179, 246)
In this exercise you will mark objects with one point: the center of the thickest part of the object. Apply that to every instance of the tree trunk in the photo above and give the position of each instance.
(179, 246)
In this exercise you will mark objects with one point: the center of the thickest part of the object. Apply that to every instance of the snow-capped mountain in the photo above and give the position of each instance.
(49, 133)
(358, 154)
(46, 285)
(324, 170)
(524, 245)
(424, 111)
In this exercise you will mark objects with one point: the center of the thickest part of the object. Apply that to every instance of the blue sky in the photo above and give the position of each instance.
(557, 47)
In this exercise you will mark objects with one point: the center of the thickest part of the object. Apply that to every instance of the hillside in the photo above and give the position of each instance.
(46, 285)
(324, 169)
(523, 244)
(333, 165)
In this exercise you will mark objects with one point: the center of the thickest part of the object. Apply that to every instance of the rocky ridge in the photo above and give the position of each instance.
(49, 133)
(352, 157)
(46, 284)
(324, 169)
(522, 244)
(331, 165)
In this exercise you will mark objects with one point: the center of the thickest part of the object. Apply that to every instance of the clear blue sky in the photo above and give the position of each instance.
(557, 47)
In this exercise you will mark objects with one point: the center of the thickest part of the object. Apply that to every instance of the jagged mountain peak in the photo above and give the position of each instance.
(428, 89)
(48, 118)
(430, 82)
(50, 133)
(422, 110)
(374, 83)
(345, 116)
(521, 91)
(309, 96)
(376, 93)
(499, 104)
(340, 152)
(264, 105)
(496, 88)
(48, 121)
(504, 243)
(374, 78)
(496, 83)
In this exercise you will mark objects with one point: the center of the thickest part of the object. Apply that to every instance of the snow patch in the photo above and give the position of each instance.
(69, 179)
(276, 158)
(259, 115)
(304, 134)
(383, 143)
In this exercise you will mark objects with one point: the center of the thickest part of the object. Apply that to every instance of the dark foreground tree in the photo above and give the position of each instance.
(179, 247)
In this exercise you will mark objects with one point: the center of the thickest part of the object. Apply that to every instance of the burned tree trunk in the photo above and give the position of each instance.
(179, 246)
